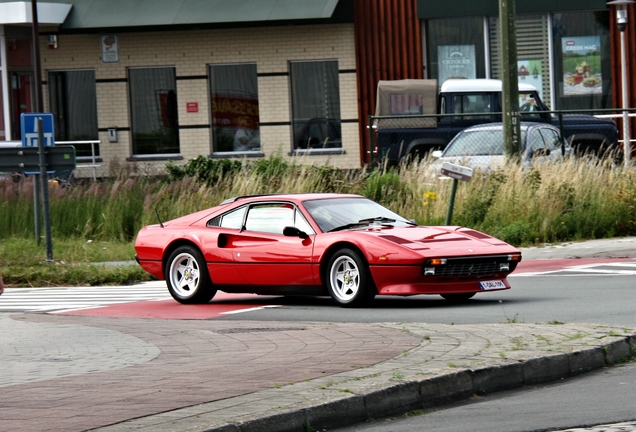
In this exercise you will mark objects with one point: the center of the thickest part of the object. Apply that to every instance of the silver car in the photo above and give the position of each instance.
(482, 146)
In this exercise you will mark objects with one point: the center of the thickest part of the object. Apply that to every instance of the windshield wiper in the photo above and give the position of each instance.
(363, 222)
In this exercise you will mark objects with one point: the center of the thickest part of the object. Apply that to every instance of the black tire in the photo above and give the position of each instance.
(458, 298)
(187, 276)
(348, 280)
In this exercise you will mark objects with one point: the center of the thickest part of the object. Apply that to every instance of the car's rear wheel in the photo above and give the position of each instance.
(348, 279)
(187, 276)
(458, 298)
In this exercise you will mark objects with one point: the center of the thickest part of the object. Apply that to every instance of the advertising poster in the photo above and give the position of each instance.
(456, 61)
(582, 65)
(529, 72)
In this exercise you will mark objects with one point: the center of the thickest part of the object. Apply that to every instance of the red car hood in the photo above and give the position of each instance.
(444, 240)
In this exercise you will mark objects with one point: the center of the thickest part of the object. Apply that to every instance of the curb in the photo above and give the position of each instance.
(422, 378)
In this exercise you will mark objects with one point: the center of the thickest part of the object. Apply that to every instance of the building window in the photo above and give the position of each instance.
(154, 116)
(533, 52)
(73, 100)
(234, 99)
(582, 66)
(456, 48)
(315, 98)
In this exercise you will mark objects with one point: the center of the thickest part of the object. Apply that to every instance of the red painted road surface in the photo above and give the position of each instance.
(540, 266)
(223, 303)
(170, 309)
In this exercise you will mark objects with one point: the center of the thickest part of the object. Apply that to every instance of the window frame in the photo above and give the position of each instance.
(61, 112)
(171, 113)
(328, 117)
(248, 118)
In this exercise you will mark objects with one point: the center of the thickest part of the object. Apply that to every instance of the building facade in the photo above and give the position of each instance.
(153, 81)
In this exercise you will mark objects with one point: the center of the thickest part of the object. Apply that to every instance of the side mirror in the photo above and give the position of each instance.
(291, 231)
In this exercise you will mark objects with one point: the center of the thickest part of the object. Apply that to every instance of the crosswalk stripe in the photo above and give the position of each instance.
(66, 299)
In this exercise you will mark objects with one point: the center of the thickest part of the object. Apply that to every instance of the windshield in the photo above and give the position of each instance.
(335, 213)
(485, 142)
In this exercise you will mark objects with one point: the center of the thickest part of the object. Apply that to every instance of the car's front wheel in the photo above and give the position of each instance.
(348, 279)
(187, 276)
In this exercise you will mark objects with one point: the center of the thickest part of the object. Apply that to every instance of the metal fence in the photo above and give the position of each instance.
(586, 132)
(87, 153)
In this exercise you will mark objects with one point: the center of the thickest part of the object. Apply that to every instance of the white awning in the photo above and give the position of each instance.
(20, 13)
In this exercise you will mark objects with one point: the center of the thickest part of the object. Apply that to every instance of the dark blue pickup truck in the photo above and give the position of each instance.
(412, 119)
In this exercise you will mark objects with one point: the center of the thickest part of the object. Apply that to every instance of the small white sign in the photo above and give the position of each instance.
(110, 49)
(457, 171)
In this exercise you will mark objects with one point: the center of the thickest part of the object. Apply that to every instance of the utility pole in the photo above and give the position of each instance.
(39, 103)
(510, 83)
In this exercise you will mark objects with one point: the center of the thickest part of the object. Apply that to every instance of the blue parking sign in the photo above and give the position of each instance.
(28, 125)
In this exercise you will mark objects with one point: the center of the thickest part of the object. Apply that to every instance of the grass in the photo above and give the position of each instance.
(95, 222)
(76, 262)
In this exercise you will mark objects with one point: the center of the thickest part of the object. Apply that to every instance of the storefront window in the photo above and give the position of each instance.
(73, 100)
(582, 66)
(315, 104)
(234, 98)
(456, 48)
(153, 101)
(533, 52)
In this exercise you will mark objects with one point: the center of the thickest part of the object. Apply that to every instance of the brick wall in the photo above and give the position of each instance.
(190, 52)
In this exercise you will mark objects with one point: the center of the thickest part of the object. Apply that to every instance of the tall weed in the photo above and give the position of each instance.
(576, 199)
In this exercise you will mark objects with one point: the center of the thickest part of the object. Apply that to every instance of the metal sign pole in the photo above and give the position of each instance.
(44, 178)
(449, 214)
(36, 208)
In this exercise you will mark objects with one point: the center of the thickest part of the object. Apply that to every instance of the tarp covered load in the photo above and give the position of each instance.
(408, 97)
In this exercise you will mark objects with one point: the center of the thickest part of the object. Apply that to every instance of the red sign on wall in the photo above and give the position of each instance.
(192, 107)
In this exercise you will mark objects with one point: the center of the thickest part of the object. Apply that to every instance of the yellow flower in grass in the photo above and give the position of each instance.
(429, 197)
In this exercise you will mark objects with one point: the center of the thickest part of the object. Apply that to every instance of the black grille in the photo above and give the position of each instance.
(472, 266)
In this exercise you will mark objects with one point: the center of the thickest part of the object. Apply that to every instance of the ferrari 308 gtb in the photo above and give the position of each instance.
(344, 246)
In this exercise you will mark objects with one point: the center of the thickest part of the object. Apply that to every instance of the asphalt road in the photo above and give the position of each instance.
(604, 397)
(592, 298)
(586, 292)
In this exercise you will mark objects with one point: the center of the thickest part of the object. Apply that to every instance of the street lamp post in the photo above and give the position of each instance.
(621, 18)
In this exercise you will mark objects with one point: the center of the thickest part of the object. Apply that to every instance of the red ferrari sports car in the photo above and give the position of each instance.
(345, 246)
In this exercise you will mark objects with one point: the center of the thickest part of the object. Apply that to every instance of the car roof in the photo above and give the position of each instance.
(296, 197)
(499, 125)
(456, 85)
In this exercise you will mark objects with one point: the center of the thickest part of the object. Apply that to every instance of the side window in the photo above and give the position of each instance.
(552, 138)
(535, 140)
(472, 104)
(528, 106)
(270, 218)
(233, 219)
(301, 223)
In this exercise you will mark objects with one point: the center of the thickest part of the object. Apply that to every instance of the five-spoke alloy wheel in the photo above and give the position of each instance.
(187, 276)
(348, 279)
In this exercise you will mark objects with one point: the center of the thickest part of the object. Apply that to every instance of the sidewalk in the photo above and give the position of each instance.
(77, 373)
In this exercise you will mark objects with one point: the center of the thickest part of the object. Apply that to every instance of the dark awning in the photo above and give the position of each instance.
(427, 9)
(101, 14)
